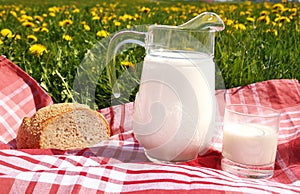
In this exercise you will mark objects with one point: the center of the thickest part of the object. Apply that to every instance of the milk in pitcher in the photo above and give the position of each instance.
(174, 108)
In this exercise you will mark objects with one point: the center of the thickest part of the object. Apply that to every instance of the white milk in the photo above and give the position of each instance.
(249, 144)
(174, 108)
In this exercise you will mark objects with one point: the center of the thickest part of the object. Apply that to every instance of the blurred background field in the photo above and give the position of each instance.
(50, 39)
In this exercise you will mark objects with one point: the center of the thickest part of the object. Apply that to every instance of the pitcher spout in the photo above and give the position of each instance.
(204, 21)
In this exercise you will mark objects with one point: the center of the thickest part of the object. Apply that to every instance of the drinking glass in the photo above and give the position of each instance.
(250, 135)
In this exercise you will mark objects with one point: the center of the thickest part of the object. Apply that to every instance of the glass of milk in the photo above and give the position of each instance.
(250, 136)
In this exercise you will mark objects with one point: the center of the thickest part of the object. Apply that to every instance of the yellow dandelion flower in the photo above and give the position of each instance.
(278, 6)
(102, 33)
(37, 50)
(13, 13)
(17, 37)
(44, 29)
(175, 9)
(45, 15)
(67, 37)
(229, 22)
(53, 9)
(275, 32)
(264, 18)
(76, 10)
(52, 14)
(184, 17)
(86, 27)
(293, 11)
(136, 16)
(117, 23)
(240, 26)
(65, 22)
(127, 63)
(38, 18)
(41, 29)
(1, 42)
(96, 18)
(248, 12)
(250, 19)
(28, 24)
(282, 19)
(26, 18)
(263, 13)
(6, 33)
(36, 29)
(145, 9)
(32, 37)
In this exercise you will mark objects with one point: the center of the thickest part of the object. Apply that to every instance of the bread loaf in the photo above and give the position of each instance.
(63, 126)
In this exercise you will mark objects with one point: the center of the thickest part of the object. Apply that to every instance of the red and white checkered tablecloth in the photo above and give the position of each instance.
(119, 164)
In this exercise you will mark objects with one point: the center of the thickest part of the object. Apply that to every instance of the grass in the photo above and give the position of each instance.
(260, 42)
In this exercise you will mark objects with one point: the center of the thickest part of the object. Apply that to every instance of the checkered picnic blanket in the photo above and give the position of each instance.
(119, 165)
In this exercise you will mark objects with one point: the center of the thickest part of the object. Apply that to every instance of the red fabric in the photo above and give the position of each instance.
(119, 165)
(20, 96)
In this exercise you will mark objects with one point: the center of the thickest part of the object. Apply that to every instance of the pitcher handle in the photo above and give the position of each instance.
(117, 41)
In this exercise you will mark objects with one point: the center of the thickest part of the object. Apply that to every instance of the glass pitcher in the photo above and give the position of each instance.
(174, 109)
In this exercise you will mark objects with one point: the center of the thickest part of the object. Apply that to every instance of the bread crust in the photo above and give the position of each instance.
(31, 129)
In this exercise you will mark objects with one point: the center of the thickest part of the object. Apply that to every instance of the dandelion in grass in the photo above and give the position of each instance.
(144, 9)
(37, 50)
(32, 37)
(1, 42)
(13, 13)
(65, 22)
(25, 17)
(282, 19)
(293, 12)
(17, 37)
(127, 63)
(240, 26)
(264, 18)
(23, 12)
(86, 27)
(126, 17)
(66, 12)
(76, 10)
(229, 22)
(6, 33)
(102, 33)
(264, 13)
(28, 24)
(52, 14)
(67, 38)
(117, 23)
(54, 9)
(40, 29)
(250, 19)
(96, 17)
(274, 31)
(277, 8)
(39, 18)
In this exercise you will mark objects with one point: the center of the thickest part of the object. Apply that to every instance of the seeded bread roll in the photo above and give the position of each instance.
(63, 126)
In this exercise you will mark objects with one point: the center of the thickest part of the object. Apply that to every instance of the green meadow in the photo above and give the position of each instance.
(53, 40)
